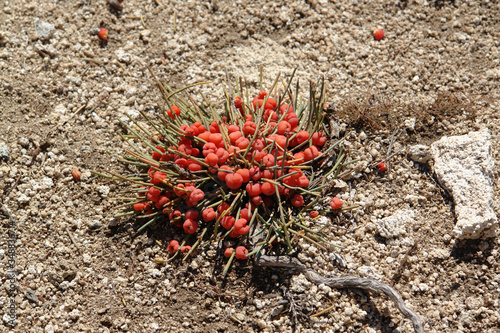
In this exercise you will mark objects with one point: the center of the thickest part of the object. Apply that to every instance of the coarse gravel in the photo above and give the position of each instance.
(66, 91)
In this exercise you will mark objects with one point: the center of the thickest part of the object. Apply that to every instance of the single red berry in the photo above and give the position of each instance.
(297, 200)
(314, 213)
(103, 34)
(76, 174)
(378, 34)
(234, 181)
(227, 222)
(222, 207)
(318, 139)
(185, 248)
(268, 188)
(382, 166)
(138, 206)
(257, 200)
(208, 214)
(192, 214)
(228, 252)
(336, 203)
(173, 246)
(253, 189)
(190, 226)
(196, 195)
(241, 252)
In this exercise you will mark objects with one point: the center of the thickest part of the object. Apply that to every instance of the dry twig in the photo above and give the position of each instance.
(346, 281)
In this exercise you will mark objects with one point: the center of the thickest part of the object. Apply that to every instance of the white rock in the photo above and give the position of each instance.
(395, 225)
(43, 29)
(464, 166)
(103, 190)
(410, 123)
(419, 153)
(122, 56)
(300, 283)
(60, 109)
(368, 272)
(49, 329)
(4, 151)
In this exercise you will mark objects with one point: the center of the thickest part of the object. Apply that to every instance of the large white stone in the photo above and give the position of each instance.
(464, 166)
(395, 225)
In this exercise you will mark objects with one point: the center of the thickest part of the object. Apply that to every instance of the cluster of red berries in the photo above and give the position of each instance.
(262, 158)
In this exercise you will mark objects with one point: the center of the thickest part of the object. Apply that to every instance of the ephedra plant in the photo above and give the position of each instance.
(250, 171)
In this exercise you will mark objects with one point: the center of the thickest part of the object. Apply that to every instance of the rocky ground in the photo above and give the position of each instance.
(436, 73)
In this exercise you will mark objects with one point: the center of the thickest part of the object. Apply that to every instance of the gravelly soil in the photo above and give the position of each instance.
(67, 93)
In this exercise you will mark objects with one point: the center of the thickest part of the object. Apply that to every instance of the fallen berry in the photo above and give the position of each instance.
(382, 166)
(76, 174)
(378, 34)
(103, 34)
(314, 213)
(336, 203)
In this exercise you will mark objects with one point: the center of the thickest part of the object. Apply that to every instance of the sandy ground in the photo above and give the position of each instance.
(65, 94)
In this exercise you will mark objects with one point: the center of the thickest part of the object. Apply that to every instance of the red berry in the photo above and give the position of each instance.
(234, 136)
(223, 155)
(228, 252)
(103, 34)
(302, 136)
(253, 189)
(249, 128)
(257, 103)
(303, 181)
(192, 214)
(268, 188)
(242, 143)
(234, 181)
(195, 167)
(382, 166)
(215, 138)
(211, 159)
(208, 214)
(257, 200)
(173, 246)
(318, 139)
(245, 214)
(174, 112)
(297, 200)
(378, 34)
(138, 206)
(185, 248)
(262, 94)
(314, 213)
(268, 160)
(285, 107)
(76, 174)
(272, 102)
(238, 103)
(227, 222)
(190, 226)
(222, 207)
(336, 203)
(241, 252)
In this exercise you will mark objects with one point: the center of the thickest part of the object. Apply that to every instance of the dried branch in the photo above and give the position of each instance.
(346, 281)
